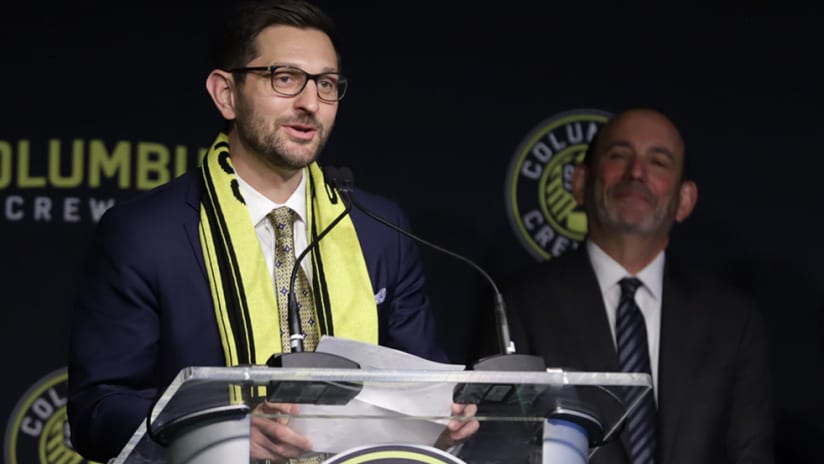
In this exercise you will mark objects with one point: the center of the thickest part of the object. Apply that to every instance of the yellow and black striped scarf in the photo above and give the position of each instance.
(241, 285)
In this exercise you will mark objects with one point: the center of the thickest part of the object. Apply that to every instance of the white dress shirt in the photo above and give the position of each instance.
(648, 296)
(259, 207)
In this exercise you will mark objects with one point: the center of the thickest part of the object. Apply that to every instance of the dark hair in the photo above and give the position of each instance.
(234, 45)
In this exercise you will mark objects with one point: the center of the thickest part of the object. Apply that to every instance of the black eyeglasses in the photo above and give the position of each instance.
(289, 81)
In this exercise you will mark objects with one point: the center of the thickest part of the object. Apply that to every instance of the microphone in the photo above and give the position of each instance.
(494, 397)
(296, 335)
(302, 391)
(345, 183)
(343, 179)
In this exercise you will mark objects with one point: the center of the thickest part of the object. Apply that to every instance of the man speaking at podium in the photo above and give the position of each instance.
(195, 272)
(615, 304)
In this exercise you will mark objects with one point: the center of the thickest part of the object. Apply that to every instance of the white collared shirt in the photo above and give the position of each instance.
(648, 297)
(259, 207)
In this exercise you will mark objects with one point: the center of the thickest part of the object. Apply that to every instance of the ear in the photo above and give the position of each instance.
(687, 197)
(220, 86)
(579, 182)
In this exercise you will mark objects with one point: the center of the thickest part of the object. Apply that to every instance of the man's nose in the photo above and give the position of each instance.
(308, 98)
(637, 167)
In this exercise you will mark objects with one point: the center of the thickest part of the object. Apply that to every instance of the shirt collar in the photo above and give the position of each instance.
(609, 272)
(259, 206)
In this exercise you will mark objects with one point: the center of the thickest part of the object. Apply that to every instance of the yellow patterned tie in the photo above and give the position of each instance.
(283, 219)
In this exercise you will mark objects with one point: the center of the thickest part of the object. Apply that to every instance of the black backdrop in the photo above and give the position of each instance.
(441, 97)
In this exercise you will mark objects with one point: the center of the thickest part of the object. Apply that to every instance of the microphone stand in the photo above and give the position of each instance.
(302, 391)
(296, 335)
(497, 397)
(510, 360)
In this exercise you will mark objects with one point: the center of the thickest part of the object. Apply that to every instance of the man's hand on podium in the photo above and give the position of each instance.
(272, 439)
(458, 430)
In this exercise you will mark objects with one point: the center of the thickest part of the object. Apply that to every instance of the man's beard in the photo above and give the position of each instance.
(609, 214)
(275, 150)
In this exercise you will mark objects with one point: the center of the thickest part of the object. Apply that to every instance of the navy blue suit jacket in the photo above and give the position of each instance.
(146, 311)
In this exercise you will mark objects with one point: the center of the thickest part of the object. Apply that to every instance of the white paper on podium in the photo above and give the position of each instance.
(379, 402)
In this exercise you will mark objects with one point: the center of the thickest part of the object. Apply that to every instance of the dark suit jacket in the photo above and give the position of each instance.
(147, 312)
(713, 396)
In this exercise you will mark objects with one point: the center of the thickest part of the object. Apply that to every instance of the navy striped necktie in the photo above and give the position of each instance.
(633, 356)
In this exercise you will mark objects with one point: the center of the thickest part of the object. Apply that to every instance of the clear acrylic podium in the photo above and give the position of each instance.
(204, 415)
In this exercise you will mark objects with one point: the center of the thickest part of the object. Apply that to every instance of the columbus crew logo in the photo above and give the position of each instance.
(394, 454)
(37, 431)
(539, 200)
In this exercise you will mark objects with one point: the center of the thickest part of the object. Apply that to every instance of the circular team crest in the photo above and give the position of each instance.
(394, 454)
(542, 211)
(37, 431)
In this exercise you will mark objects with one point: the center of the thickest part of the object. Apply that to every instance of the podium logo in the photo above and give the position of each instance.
(540, 206)
(394, 454)
(37, 430)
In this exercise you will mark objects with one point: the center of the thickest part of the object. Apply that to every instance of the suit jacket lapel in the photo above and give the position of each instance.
(676, 361)
(583, 304)
(582, 300)
(191, 223)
